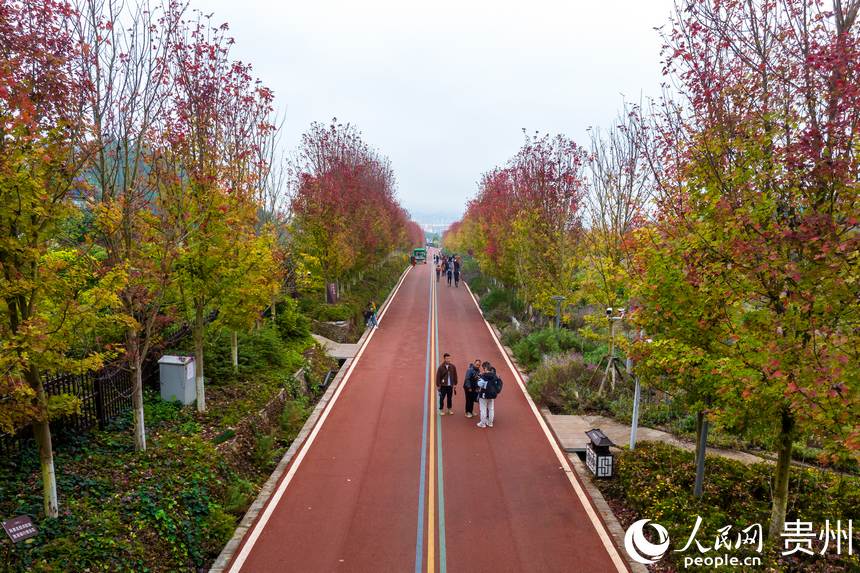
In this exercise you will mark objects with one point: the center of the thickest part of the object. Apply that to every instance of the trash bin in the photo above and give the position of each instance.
(176, 375)
(598, 458)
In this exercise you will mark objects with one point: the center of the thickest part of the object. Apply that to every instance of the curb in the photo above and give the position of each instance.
(612, 524)
(222, 562)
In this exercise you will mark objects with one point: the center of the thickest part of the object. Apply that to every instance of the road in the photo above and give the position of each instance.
(383, 483)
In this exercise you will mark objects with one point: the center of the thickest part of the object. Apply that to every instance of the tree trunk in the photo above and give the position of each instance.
(274, 311)
(199, 325)
(701, 449)
(783, 467)
(42, 432)
(234, 351)
(699, 417)
(137, 407)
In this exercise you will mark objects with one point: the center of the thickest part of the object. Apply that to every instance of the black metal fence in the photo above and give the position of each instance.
(104, 395)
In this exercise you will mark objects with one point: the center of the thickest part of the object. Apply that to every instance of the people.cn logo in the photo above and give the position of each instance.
(642, 550)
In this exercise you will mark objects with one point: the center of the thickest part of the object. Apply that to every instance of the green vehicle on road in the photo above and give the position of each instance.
(420, 255)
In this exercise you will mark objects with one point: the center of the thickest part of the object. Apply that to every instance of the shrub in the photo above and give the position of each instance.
(264, 450)
(500, 304)
(292, 419)
(238, 496)
(510, 335)
(655, 481)
(260, 350)
(530, 350)
(478, 283)
(561, 382)
(291, 323)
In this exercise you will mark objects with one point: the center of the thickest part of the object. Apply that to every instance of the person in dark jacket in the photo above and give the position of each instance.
(489, 386)
(446, 382)
(470, 386)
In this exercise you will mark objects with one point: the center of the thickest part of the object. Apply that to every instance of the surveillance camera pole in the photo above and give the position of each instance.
(637, 394)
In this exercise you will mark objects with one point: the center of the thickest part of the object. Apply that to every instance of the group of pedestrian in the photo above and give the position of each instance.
(448, 265)
(481, 385)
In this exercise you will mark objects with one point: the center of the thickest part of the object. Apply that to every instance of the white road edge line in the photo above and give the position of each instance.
(620, 564)
(236, 566)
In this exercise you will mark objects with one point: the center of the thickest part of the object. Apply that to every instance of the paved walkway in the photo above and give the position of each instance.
(383, 483)
(338, 350)
(571, 433)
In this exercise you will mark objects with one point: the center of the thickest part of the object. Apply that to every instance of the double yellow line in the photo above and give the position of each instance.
(433, 405)
(431, 490)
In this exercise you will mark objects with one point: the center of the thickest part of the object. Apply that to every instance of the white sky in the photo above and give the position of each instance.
(444, 88)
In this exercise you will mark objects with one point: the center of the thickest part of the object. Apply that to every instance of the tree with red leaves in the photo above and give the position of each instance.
(749, 277)
(206, 166)
(126, 83)
(345, 213)
(524, 225)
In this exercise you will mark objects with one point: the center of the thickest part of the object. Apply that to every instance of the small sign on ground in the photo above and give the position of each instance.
(20, 528)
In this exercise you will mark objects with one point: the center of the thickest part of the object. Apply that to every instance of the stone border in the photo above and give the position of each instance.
(226, 556)
(606, 514)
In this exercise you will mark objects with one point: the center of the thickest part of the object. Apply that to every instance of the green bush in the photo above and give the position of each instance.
(499, 305)
(530, 350)
(290, 322)
(292, 419)
(478, 283)
(264, 450)
(238, 497)
(655, 481)
(261, 350)
(511, 335)
(558, 381)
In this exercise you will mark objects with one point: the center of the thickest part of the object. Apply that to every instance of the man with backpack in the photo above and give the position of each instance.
(470, 386)
(446, 383)
(490, 386)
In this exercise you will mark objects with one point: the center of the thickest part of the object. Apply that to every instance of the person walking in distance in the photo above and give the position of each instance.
(438, 271)
(470, 386)
(370, 315)
(457, 272)
(449, 270)
(490, 386)
(446, 382)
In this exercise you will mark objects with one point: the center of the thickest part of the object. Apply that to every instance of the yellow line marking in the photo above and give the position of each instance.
(431, 471)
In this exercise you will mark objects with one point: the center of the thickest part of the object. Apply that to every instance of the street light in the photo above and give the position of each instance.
(558, 300)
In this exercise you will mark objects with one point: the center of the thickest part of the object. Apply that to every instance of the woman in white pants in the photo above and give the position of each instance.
(490, 385)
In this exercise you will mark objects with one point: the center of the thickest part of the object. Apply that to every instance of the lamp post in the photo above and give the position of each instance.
(558, 300)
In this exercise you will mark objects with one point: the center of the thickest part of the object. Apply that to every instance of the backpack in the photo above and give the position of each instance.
(497, 386)
(493, 388)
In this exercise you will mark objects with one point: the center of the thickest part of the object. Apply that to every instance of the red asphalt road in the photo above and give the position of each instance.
(353, 502)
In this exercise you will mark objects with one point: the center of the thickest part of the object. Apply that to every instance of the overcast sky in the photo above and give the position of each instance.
(444, 88)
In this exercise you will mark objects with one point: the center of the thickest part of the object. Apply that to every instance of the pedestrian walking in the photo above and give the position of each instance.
(470, 386)
(438, 271)
(449, 271)
(446, 382)
(490, 386)
(370, 315)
